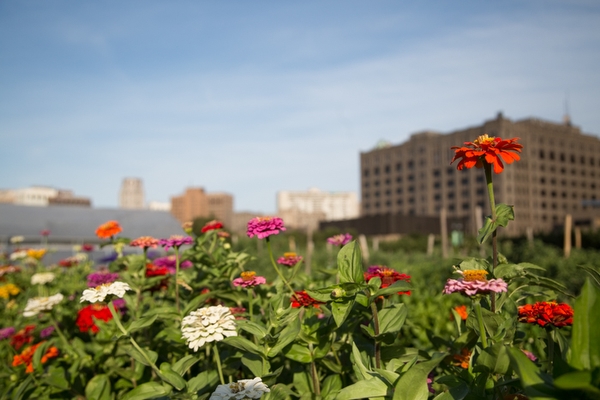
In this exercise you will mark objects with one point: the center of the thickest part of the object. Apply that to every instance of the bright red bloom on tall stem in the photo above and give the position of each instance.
(211, 226)
(108, 229)
(87, 315)
(492, 150)
(546, 314)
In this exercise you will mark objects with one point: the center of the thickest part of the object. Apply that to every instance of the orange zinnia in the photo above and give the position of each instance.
(462, 312)
(492, 150)
(26, 357)
(108, 229)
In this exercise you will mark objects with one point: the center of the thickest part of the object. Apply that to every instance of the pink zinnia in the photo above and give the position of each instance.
(474, 282)
(249, 279)
(289, 259)
(264, 227)
(175, 241)
(340, 240)
(145, 242)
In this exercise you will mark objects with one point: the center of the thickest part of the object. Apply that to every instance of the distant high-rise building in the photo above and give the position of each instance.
(304, 209)
(195, 202)
(131, 195)
(558, 174)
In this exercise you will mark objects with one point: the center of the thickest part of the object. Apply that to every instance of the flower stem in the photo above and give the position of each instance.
(218, 361)
(176, 278)
(313, 372)
(376, 331)
(60, 333)
(477, 307)
(117, 320)
(277, 268)
(550, 351)
(250, 298)
(490, 187)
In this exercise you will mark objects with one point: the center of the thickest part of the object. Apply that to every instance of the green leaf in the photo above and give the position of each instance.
(495, 359)
(98, 388)
(398, 286)
(455, 393)
(349, 262)
(141, 323)
(182, 366)
(298, 353)
(171, 377)
(152, 355)
(366, 388)
(255, 364)
(413, 384)
(578, 380)
(202, 382)
(254, 328)
(592, 271)
(243, 344)
(286, 336)
(148, 390)
(331, 386)
(531, 377)
(359, 367)
(504, 213)
(341, 310)
(392, 318)
(585, 340)
(58, 379)
(196, 301)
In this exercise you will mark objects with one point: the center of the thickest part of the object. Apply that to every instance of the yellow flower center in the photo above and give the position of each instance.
(264, 218)
(484, 139)
(475, 275)
(289, 255)
(248, 275)
(387, 272)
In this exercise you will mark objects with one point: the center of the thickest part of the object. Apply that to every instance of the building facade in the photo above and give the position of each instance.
(195, 203)
(558, 174)
(305, 209)
(131, 195)
(43, 196)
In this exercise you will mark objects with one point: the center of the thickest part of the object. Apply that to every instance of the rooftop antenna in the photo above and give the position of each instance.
(567, 116)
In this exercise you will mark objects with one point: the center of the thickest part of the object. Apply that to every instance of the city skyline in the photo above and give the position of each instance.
(254, 98)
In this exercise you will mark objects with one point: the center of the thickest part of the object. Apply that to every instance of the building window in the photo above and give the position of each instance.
(411, 178)
(479, 192)
(411, 164)
(399, 179)
(465, 181)
(411, 200)
(367, 195)
(411, 189)
(437, 197)
(450, 182)
(387, 181)
(388, 192)
(376, 170)
(479, 179)
(436, 184)
(399, 190)
(436, 172)
(451, 207)
(399, 167)
(366, 173)
(377, 204)
(387, 169)
(450, 195)
(542, 154)
(367, 206)
(388, 203)
(465, 206)
(376, 183)
(399, 202)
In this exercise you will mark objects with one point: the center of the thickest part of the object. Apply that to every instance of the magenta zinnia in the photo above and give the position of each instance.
(175, 241)
(249, 279)
(289, 259)
(340, 240)
(474, 282)
(263, 227)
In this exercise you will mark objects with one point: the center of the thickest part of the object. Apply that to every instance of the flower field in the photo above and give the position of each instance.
(195, 316)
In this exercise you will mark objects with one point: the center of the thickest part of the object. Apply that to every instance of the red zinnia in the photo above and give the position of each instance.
(23, 337)
(212, 225)
(387, 275)
(546, 313)
(85, 317)
(492, 150)
(108, 229)
(302, 299)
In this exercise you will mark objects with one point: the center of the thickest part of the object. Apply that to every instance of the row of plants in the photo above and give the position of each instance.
(197, 320)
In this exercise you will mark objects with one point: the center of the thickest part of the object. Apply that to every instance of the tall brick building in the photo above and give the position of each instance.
(559, 174)
(195, 202)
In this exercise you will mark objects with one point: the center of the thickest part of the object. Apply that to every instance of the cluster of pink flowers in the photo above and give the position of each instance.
(289, 259)
(249, 279)
(340, 240)
(169, 262)
(175, 241)
(263, 227)
(473, 283)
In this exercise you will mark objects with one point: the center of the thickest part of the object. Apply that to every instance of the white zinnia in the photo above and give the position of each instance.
(42, 278)
(207, 324)
(17, 239)
(242, 389)
(99, 293)
(18, 255)
(37, 304)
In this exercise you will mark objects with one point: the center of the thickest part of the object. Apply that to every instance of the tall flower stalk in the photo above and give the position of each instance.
(176, 241)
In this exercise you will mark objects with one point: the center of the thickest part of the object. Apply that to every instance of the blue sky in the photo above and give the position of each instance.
(252, 97)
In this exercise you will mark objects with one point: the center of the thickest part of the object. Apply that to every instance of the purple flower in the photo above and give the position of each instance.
(169, 262)
(46, 332)
(96, 279)
(430, 382)
(340, 240)
(249, 279)
(5, 333)
(263, 227)
(175, 241)
(120, 305)
(109, 258)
